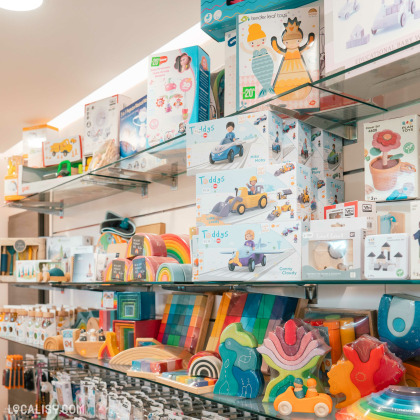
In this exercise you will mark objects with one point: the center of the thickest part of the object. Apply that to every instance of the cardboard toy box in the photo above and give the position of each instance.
(250, 252)
(33, 139)
(54, 152)
(352, 209)
(296, 142)
(178, 92)
(133, 128)
(387, 257)
(346, 223)
(333, 255)
(326, 193)
(28, 270)
(253, 195)
(415, 239)
(393, 217)
(209, 145)
(265, 65)
(230, 72)
(392, 159)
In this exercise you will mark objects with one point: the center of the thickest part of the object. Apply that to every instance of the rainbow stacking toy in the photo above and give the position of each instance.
(395, 402)
(178, 247)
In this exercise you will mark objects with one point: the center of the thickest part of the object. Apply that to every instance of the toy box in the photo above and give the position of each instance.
(346, 223)
(415, 239)
(133, 126)
(102, 123)
(250, 252)
(33, 139)
(178, 92)
(83, 268)
(326, 192)
(219, 17)
(392, 159)
(333, 255)
(387, 256)
(393, 217)
(351, 209)
(297, 142)
(13, 178)
(136, 306)
(28, 270)
(254, 195)
(230, 72)
(276, 53)
(234, 142)
(54, 152)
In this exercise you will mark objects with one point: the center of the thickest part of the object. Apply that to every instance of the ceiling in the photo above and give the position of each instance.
(56, 55)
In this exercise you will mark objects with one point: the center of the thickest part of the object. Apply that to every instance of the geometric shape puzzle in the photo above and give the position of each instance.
(136, 306)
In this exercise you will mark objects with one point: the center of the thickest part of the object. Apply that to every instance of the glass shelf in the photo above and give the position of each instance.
(33, 346)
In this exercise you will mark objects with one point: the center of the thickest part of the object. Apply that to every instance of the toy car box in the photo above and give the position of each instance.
(250, 252)
(392, 159)
(415, 239)
(230, 72)
(387, 257)
(393, 217)
(234, 142)
(333, 255)
(253, 195)
(33, 138)
(178, 92)
(352, 209)
(266, 66)
(54, 152)
(219, 17)
(297, 142)
(326, 193)
(133, 126)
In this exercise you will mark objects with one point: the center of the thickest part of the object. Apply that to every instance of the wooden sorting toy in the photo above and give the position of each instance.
(178, 247)
(136, 306)
(127, 332)
(70, 336)
(179, 273)
(117, 270)
(107, 239)
(109, 347)
(54, 343)
(206, 364)
(241, 369)
(368, 367)
(294, 350)
(412, 374)
(147, 244)
(146, 268)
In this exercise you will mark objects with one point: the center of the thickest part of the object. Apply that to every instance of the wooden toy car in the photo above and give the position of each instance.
(351, 6)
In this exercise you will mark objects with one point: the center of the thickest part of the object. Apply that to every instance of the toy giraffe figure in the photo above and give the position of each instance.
(292, 72)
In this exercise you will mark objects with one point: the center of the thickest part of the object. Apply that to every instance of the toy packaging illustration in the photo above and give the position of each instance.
(415, 239)
(392, 159)
(325, 193)
(54, 152)
(178, 92)
(234, 142)
(33, 139)
(230, 72)
(257, 252)
(393, 217)
(276, 53)
(253, 195)
(133, 128)
(31, 270)
(387, 256)
(296, 142)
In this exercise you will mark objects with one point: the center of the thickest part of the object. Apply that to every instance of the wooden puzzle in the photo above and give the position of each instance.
(109, 347)
(127, 332)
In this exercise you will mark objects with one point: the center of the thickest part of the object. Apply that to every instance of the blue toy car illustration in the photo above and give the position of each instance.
(333, 158)
(226, 151)
(315, 135)
(276, 147)
(320, 183)
(289, 127)
(260, 119)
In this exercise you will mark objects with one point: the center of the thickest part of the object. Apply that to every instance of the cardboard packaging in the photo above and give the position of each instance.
(387, 257)
(296, 142)
(178, 92)
(352, 209)
(33, 139)
(392, 159)
(325, 194)
(254, 195)
(265, 65)
(210, 146)
(250, 252)
(333, 255)
(133, 128)
(13, 179)
(415, 239)
(347, 223)
(393, 217)
(230, 72)
(28, 270)
(83, 268)
(54, 152)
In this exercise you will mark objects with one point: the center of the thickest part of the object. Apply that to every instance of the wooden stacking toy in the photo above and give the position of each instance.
(147, 244)
(170, 272)
(206, 364)
(109, 347)
(178, 247)
(146, 268)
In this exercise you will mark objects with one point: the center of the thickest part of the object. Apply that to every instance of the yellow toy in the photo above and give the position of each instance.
(64, 147)
(304, 196)
(286, 207)
(109, 347)
(313, 402)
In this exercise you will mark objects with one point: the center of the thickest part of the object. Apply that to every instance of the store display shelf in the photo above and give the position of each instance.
(33, 346)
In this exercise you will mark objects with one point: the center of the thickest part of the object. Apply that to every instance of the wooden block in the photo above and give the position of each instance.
(157, 228)
(54, 343)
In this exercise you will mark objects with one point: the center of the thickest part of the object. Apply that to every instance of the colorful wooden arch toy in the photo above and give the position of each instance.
(178, 247)
(147, 244)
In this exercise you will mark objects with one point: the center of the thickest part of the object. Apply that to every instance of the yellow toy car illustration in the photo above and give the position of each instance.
(286, 207)
(64, 147)
(304, 196)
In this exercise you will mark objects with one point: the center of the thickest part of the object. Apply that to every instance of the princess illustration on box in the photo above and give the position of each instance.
(292, 72)
(262, 58)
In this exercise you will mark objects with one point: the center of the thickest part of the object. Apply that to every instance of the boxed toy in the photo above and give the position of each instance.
(102, 123)
(133, 127)
(13, 178)
(415, 239)
(83, 268)
(250, 252)
(33, 138)
(333, 255)
(54, 152)
(392, 159)
(230, 72)
(28, 270)
(393, 217)
(178, 92)
(387, 257)
(253, 195)
(346, 223)
(328, 192)
(351, 209)
(276, 53)
(234, 142)
(220, 17)
(297, 142)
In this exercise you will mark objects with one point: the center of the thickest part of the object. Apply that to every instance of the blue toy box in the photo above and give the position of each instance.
(136, 306)
(234, 142)
(178, 92)
(297, 145)
(219, 16)
(250, 252)
(253, 195)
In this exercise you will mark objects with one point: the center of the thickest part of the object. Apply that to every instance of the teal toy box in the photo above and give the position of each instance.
(297, 145)
(178, 92)
(253, 195)
(250, 252)
(219, 16)
(234, 142)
